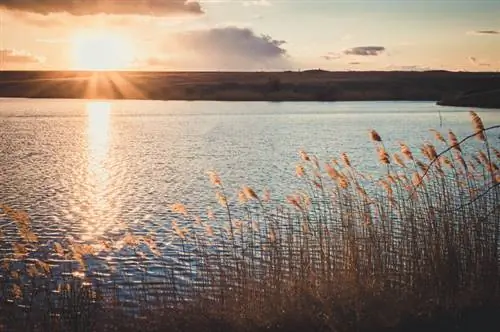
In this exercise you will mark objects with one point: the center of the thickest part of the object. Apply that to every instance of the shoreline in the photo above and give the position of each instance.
(444, 88)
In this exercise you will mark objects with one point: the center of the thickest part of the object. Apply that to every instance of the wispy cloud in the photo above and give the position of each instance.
(484, 32)
(17, 57)
(475, 61)
(331, 56)
(365, 50)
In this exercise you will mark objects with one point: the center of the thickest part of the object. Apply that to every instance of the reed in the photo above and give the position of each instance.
(415, 246)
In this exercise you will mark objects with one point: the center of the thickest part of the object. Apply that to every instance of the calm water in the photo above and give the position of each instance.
(94, 170)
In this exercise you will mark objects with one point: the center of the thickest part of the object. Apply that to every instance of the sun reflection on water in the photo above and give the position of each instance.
(98, 137)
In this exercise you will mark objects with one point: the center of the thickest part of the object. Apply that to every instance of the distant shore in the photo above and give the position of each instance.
(445, 88)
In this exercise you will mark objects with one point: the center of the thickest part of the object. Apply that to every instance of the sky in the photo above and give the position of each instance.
(250, 35)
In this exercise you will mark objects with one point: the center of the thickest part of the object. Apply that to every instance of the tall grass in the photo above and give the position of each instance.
(416, 244)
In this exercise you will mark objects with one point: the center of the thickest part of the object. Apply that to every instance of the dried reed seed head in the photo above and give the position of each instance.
(221, 198)
(58, 248)
(179, 208)
(375, 136)
(484, 158)
(454, 141)
(250, 193)
(242, 198)
(386, 185)
(383, 156)
(497, 152)
(438, 135)
(345, 159)
(405, 150)
(398, 160)
(332, 172)
(299, 170)
(491, 167)
(295, 201)
(478, 125)
(458, 156)
(446, 162)
(343, 182)
(214, 178)
(306, 200)
(430, 151)
(304, 156)
(421, 165)
(16, 291)
(416, 179)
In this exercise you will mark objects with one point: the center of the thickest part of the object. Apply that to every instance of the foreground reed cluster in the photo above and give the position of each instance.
(413, 247)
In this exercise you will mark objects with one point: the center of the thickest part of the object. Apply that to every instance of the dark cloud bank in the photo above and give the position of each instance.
(118, 7)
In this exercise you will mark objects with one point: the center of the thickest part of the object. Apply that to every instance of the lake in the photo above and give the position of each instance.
(92, 170)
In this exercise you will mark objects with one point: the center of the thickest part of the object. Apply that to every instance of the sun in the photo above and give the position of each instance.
(100, 50)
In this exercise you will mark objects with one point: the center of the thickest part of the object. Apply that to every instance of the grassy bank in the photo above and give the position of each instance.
(413, 248)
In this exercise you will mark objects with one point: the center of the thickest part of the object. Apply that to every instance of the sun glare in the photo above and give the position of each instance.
(100, 50)
(98, 135)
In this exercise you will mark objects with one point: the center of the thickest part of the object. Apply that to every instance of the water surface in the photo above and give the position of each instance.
(94, 170)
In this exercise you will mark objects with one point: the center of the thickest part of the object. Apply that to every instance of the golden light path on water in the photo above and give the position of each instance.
(98, 137)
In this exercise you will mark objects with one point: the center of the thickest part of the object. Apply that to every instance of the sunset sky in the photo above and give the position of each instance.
(250, 35)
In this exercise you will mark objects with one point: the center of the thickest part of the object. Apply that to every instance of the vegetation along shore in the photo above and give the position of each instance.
(447, 88)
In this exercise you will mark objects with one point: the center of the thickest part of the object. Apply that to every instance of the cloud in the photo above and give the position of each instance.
(476, 62)
(484, 32)
(359, 51)
(16, 57)
(229, 48)
(365, 50)
(91, 7)
(331, 56)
